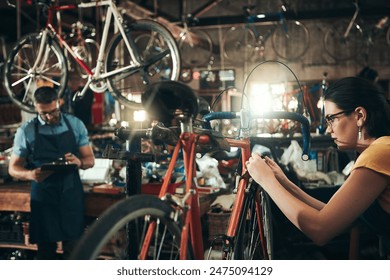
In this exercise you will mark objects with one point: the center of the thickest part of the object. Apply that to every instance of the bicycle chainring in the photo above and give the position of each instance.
(98, 86)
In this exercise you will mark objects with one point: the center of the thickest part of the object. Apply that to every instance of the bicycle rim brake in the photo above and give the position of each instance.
(120, 233)
(29, 67)
(158, 56)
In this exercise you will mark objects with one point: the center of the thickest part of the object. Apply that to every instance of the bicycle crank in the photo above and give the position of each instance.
(98, 86)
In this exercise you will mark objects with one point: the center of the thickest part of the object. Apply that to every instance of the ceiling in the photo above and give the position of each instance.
(202, 13)
(215, 12)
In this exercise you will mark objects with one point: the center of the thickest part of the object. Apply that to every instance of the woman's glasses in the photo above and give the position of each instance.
(330, 118)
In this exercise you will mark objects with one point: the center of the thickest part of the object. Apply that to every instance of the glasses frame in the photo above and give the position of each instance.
(330, 118)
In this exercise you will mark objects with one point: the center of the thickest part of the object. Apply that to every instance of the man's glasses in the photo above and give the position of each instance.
(53, 113)
(330, 118)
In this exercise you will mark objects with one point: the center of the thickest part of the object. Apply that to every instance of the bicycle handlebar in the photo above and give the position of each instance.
(158, 133)
(245, 117)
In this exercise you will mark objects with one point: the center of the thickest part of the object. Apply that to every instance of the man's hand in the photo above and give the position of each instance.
(72, 159)
(39, 175)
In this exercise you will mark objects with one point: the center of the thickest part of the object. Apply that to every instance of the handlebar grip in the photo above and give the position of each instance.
(305, 124)
(219, 116)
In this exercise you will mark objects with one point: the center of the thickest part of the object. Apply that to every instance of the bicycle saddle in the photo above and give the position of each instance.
(165, 100)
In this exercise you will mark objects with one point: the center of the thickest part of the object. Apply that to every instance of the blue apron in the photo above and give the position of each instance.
(57, 203)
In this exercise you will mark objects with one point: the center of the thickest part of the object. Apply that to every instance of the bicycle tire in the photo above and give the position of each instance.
(239, 45)
(106, 238)
(290, 40)
(248, 243)
(196, 48)
(160, 58)
(340, 48)
(20, 81)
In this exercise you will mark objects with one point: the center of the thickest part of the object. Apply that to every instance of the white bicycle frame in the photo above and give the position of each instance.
(96, 75)
(118, 21)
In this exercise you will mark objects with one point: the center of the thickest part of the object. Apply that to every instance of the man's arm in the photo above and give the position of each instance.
(85, 160)
(17, 170)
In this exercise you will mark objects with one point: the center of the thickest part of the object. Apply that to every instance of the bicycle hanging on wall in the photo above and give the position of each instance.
(290, 38)
(140, 53)
(347, 39)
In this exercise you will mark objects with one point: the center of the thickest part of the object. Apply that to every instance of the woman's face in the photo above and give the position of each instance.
(342, 126)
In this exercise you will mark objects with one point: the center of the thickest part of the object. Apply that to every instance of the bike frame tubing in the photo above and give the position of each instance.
(51, 11)
(192, 228)
(112, 11)
(245, 145)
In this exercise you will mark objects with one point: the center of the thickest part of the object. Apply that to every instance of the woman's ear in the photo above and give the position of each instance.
(361, 114)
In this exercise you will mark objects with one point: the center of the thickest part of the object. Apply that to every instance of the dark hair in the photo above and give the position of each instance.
(352, 92)
(368, 73)
(45, 95)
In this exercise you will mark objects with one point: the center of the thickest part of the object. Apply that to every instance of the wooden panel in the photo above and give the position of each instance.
(15, 197)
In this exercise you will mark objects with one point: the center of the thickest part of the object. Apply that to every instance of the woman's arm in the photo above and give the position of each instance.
(361, 188)
(291, 187)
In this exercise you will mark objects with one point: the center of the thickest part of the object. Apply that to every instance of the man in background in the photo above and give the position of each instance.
(57, 197)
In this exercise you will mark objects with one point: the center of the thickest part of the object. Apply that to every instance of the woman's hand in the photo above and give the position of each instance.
(259, 170)
(278, 172)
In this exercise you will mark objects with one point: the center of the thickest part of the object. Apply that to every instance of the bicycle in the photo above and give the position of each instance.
(195, 45)
(140, 53)
(290, 38)
(168, 226)
(346, 39)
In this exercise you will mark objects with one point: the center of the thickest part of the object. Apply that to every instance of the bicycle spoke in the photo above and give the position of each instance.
(23, 73)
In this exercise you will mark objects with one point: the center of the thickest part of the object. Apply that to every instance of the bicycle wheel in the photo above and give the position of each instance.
(239, 45)
(252, 240)
(340, 47)
(119, 232)
(21, 78)
(196, 48)
(159, 55)
(290, 40)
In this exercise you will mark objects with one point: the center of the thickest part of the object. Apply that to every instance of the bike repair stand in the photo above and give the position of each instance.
(134, 158)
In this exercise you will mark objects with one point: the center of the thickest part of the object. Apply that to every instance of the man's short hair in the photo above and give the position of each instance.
(45, 95)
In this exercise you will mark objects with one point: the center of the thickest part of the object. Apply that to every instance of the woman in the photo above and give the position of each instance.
(358, 118)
